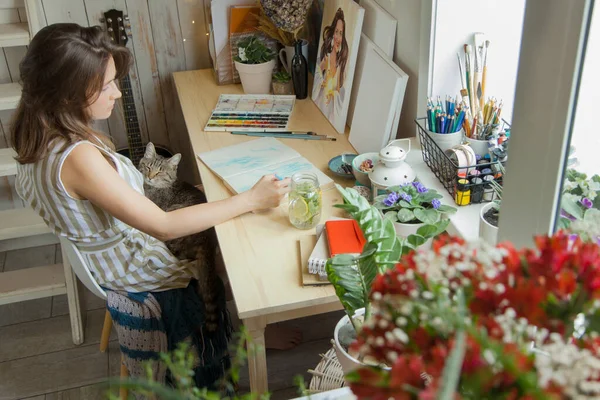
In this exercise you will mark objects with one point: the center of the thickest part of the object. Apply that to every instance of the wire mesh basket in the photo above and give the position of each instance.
(470, 184)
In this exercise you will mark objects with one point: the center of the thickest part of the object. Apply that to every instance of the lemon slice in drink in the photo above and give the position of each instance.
(299, 209)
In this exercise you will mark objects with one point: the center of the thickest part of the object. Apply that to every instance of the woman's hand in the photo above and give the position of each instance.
(268, 192)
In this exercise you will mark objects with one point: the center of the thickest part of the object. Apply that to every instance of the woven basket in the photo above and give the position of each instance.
(328, 374)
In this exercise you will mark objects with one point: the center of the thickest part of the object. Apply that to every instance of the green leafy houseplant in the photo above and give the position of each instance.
(580, 203)
(253, 51)
(180, 363)
(413, 203)
(353, 276)
(282, 76)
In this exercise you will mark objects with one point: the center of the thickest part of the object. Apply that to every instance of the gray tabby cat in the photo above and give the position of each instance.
(166, 191)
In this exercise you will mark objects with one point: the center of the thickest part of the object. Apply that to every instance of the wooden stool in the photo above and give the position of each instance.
(106, 329)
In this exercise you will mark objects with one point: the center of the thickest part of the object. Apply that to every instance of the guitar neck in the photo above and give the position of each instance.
(134, 137)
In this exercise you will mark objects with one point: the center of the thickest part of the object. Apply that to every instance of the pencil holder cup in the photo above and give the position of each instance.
(480, 147)
(447, 140)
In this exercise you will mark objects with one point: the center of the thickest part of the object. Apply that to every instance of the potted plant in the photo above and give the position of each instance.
(353, 276)
(412, 206)
(489, 215)
(580, 201)
(282, 83)
(473, 321)
(255, 63)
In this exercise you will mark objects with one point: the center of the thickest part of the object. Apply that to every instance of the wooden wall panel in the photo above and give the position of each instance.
(65, 11)
(170, 56)
(158, 31)
(193, 31)
(147, 73)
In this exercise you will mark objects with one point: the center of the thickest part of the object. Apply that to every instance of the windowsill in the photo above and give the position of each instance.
(465, 222)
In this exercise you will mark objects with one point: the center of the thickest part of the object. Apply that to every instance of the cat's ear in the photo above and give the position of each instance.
(150, 151)
(174, 161)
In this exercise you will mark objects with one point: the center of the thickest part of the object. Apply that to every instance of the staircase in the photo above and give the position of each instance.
(22, 227)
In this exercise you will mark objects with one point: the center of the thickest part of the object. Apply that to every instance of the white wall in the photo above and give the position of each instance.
(502, 23)
(586, 137)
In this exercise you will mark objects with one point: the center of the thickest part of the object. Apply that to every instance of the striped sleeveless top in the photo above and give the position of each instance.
(119, 256)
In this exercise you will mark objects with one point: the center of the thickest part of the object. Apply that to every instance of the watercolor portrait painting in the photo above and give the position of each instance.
(336, 59)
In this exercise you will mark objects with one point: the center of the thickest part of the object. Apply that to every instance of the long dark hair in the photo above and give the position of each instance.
(327, 47)
(62, 74)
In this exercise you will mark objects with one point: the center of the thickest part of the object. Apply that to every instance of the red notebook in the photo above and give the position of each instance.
(344, 237)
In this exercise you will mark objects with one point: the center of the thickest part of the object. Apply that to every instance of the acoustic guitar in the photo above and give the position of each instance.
(114, 21)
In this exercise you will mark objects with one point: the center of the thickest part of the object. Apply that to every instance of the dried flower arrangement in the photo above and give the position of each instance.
(283, 19)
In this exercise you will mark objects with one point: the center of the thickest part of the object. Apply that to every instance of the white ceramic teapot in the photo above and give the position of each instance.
(391, 169)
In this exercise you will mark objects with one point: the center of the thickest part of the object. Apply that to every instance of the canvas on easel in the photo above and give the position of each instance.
(336, 59)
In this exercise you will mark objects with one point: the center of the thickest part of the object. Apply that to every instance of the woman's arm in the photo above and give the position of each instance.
(86, 174)
(323, 65)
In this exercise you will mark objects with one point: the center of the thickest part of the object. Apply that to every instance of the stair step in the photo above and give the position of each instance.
(8, 165)
(10, 94)
(16, 34)
(20, 223)
(32, 283)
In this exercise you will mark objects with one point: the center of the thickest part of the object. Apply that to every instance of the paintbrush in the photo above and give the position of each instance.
(469, 75)
(484, 76)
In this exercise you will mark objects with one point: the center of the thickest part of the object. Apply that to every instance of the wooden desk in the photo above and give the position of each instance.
(261, 250)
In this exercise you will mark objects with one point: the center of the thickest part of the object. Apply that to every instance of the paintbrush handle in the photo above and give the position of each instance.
(483, 79)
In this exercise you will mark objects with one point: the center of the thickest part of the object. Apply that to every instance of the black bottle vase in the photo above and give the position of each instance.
(299, 72)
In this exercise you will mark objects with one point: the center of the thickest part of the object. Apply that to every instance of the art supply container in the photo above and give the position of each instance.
(476, 190)
(480, 147)
(459, 162)
(305, 201)
(447, 140)
(488, 191)
(463, 192)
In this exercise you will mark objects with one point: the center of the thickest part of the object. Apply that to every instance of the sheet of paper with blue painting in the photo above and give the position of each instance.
(242, 165)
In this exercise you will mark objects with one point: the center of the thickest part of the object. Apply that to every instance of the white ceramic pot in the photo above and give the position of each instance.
(487, 231)
(363, 177)
(480, 147)
(446, 140)
(287, 53)
(403, 230)
(256, 78)
(347, 362)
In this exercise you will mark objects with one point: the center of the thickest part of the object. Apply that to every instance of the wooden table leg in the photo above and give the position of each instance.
(257, 357)
(73, 300)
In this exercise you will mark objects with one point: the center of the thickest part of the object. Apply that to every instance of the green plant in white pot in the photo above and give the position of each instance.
(352, 276)
(415, 210)
(255, 63)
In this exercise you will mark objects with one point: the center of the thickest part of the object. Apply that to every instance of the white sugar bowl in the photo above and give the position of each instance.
(391, 169)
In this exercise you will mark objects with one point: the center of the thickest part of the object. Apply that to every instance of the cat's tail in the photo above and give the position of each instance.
(208, 287)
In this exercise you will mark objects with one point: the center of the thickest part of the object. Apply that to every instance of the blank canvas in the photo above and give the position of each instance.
(379, 26)
(379, 102)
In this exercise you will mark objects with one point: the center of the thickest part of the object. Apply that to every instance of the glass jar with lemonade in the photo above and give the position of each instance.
(305, 201)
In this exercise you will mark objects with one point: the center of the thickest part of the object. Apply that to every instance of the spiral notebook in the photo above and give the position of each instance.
(337, 236)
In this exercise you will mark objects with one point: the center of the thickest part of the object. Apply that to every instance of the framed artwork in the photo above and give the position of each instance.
(336, 59)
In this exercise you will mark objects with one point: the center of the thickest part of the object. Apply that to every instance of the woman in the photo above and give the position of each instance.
(328, 90)
(70, 174)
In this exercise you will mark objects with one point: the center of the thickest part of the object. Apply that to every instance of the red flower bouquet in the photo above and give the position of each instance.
(471, 321)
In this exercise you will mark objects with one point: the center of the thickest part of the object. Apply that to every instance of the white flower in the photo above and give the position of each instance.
(400, 335)
(242, 54)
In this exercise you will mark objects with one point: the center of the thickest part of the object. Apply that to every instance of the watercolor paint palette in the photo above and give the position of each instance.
(252, 113)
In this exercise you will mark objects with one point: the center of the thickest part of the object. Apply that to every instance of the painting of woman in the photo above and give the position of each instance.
(335, 61)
